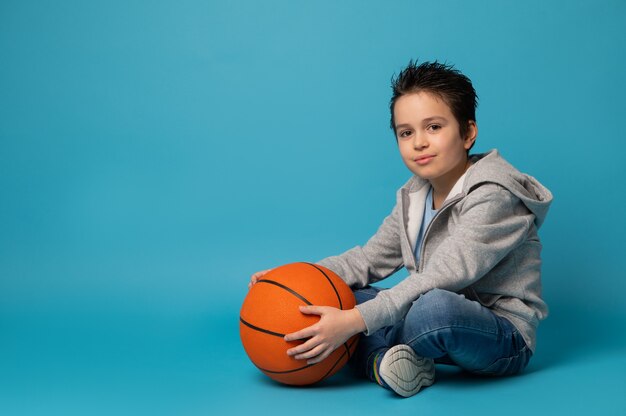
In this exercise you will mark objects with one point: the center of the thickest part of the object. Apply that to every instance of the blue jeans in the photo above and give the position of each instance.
(450, 329)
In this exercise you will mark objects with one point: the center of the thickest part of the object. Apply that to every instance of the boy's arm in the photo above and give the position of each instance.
(359, 266)
(380, 257)
(492, 222)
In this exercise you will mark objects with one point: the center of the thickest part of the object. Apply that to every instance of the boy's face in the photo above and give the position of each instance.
(429, 140)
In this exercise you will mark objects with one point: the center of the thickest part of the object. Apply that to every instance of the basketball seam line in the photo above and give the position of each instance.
(335, 364)
(345, 344)
(310, 365)
(329, 281)
(286, 371)
(256, 328)
(293, 292)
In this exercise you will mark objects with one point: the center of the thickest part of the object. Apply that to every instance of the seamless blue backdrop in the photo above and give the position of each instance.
(154, 154)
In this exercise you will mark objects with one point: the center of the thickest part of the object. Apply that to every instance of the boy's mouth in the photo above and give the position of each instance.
(424, 159)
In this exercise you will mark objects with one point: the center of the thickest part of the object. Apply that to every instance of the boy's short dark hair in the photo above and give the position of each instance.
(454, 88)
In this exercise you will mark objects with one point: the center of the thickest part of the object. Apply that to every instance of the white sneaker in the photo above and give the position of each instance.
(405, 372)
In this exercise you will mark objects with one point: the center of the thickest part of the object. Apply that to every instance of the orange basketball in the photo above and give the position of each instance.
(271, 310)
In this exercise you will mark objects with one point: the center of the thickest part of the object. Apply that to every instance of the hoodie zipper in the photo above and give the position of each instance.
(443, 208)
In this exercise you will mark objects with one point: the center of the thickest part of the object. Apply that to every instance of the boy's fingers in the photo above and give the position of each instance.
(302, 348)
(256, 276)
(254, 279)
(313, 353)
(303, 333)
(295, 336)
(262, 272)
(312, 310)
(321, 357)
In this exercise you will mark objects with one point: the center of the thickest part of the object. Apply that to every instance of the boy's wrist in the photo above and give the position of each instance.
(358, 324)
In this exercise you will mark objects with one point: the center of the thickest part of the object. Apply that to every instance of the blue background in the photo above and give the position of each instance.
(155, 154)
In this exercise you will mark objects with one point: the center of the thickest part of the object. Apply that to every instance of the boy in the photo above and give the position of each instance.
(465, 228)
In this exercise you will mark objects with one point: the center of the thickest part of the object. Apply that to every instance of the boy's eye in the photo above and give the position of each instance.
(405, 133)
(433, 127)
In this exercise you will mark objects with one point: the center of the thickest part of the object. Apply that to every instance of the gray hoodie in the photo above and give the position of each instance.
(482, 243)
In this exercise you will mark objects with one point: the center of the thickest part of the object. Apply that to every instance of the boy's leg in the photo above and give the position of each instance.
(449, 328)
(368, 346)
(395, 367)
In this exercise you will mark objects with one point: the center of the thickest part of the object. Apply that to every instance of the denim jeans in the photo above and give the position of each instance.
(450, 329)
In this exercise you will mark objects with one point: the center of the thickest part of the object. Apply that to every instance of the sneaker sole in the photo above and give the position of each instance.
(405, 372)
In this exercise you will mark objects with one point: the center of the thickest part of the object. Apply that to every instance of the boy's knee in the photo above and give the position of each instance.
(438, 299)
(437, 307)
(433, 318)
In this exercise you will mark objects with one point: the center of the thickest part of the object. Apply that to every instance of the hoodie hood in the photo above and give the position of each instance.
(491, 167)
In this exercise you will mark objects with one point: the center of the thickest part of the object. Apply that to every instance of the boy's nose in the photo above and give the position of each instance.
(419, 142)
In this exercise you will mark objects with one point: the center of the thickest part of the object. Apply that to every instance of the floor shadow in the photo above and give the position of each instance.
(343, 378)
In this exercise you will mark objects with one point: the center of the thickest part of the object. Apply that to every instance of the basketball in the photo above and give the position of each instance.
(271, 310)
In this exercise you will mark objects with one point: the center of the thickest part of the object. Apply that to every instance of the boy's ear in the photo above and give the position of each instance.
(472, 133)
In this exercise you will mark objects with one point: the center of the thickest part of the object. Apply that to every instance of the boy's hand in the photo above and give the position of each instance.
(334, 328)
(255, 277)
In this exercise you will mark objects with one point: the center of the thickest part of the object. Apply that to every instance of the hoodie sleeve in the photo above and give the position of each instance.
(380, 257)
(489, 223)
